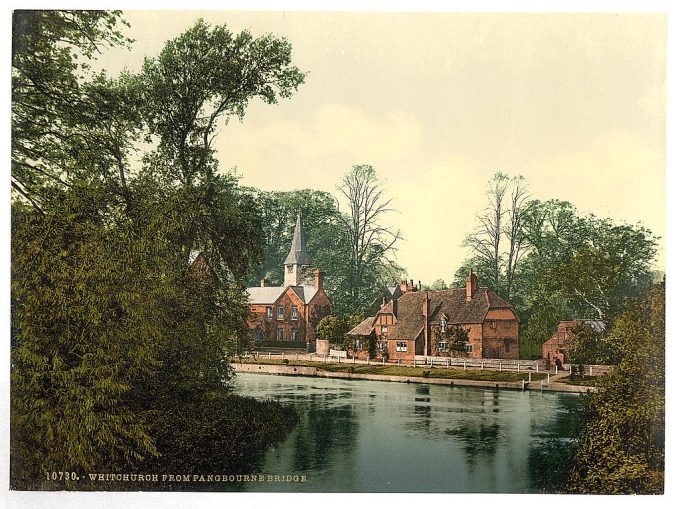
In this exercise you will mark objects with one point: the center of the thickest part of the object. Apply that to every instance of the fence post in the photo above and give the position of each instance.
(541, 385)
(398, 362)
(555, 368)
(367, 359)
(536, 366)
(591, 371)
(296, 356)
(548, 379)
(522, 383)
(464, 366)
(482, 363)
(383, 361)
(500, 365)
(270, 355)
(257, 354)
(310, 357)
(518, 366)
(414, 361)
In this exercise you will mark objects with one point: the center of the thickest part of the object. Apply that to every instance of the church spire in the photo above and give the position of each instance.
(297, 257)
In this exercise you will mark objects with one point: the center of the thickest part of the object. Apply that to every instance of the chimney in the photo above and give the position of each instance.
(403, 286)
(264, 282)
(426, 324)
(394, 307)
(420, 287)
(471, 286)
(318, 279)
(411, 285)
(384, 300)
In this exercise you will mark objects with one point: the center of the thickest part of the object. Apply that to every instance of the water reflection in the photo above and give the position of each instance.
(376, 436)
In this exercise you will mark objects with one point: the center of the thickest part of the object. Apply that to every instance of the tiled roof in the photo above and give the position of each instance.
(451, 302)
(270, 294)
(364, 328)
(298, 247)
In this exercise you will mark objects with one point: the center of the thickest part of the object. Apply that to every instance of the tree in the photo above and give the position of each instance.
(497, 244)
(110, 328)
(370, 267)
(334, 329)
(620, 449)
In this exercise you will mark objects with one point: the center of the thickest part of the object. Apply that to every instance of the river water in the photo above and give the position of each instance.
(365, 436)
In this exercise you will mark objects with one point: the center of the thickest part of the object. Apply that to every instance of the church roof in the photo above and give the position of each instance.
(298, 248)
(270, 294)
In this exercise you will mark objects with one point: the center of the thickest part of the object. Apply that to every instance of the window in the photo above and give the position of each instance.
(401, 346)
(507, 345)
(294, 313)
(383, 330)
(443, 346)
(357, 345)
(290, 268)
(269, 313)
(279, 334)
(492, 324)
(382, 345)
(293, 335)
(442, 325)
(279, 313)
(468, 348)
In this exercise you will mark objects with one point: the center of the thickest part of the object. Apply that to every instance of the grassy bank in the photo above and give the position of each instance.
(434, 372)
(585, 380)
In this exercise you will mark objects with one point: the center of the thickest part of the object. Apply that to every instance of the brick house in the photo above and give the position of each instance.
(555, 348)
(409, 326)
(289, 313)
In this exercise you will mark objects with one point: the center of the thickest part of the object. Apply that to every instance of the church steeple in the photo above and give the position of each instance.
(297, 259)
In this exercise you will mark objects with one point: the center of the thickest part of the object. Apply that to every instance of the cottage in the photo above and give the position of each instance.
(289, 313)
(416, 323)
(555, 349)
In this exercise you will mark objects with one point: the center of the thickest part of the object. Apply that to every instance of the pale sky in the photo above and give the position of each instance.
(438, 103)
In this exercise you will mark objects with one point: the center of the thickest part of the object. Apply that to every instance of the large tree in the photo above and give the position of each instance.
(370, 240)
(110, 329)
(497, 243)
(620, 448)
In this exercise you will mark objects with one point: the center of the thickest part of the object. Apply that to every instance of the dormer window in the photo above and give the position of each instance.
(442, 325)
(290, 269)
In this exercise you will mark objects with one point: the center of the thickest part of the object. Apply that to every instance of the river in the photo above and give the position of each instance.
(365, 436)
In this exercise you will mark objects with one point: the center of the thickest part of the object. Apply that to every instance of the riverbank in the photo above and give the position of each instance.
(469, 378)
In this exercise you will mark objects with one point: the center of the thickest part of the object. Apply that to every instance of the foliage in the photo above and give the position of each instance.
(456, 338)
(498, 242)
(369, 268)
(112, 332)
(620, 449)
(334, 329)
(587, 345)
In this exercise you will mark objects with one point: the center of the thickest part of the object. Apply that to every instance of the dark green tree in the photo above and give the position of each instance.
(620, 449)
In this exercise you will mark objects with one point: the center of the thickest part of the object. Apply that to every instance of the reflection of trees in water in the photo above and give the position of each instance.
(324, 431)
(480, 437)
(549, 453)
(422, 409)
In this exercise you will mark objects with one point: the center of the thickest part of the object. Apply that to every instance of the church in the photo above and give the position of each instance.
(290, 313)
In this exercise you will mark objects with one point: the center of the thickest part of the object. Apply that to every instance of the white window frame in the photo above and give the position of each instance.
(442, 325)
(279, 312)
(468, 348)
(293, 335)
(294, 312)
(279, 334)
(402, 346)
(443, 346)
(383, 329)
(270, 313)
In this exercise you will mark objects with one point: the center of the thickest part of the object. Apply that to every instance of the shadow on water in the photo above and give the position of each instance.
(322, 433)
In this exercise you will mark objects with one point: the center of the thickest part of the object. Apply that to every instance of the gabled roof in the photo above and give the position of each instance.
(298, 247)
(270, 294)
(451, 302)
(364, 328)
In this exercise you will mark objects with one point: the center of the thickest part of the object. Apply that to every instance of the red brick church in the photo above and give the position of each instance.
(289, 313)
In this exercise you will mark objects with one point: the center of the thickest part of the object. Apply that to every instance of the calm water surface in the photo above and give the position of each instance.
(365, 436)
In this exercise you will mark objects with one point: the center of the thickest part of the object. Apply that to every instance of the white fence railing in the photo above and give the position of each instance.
(418, 361)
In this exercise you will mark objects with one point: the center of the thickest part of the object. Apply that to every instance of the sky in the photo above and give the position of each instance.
(439, 102)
